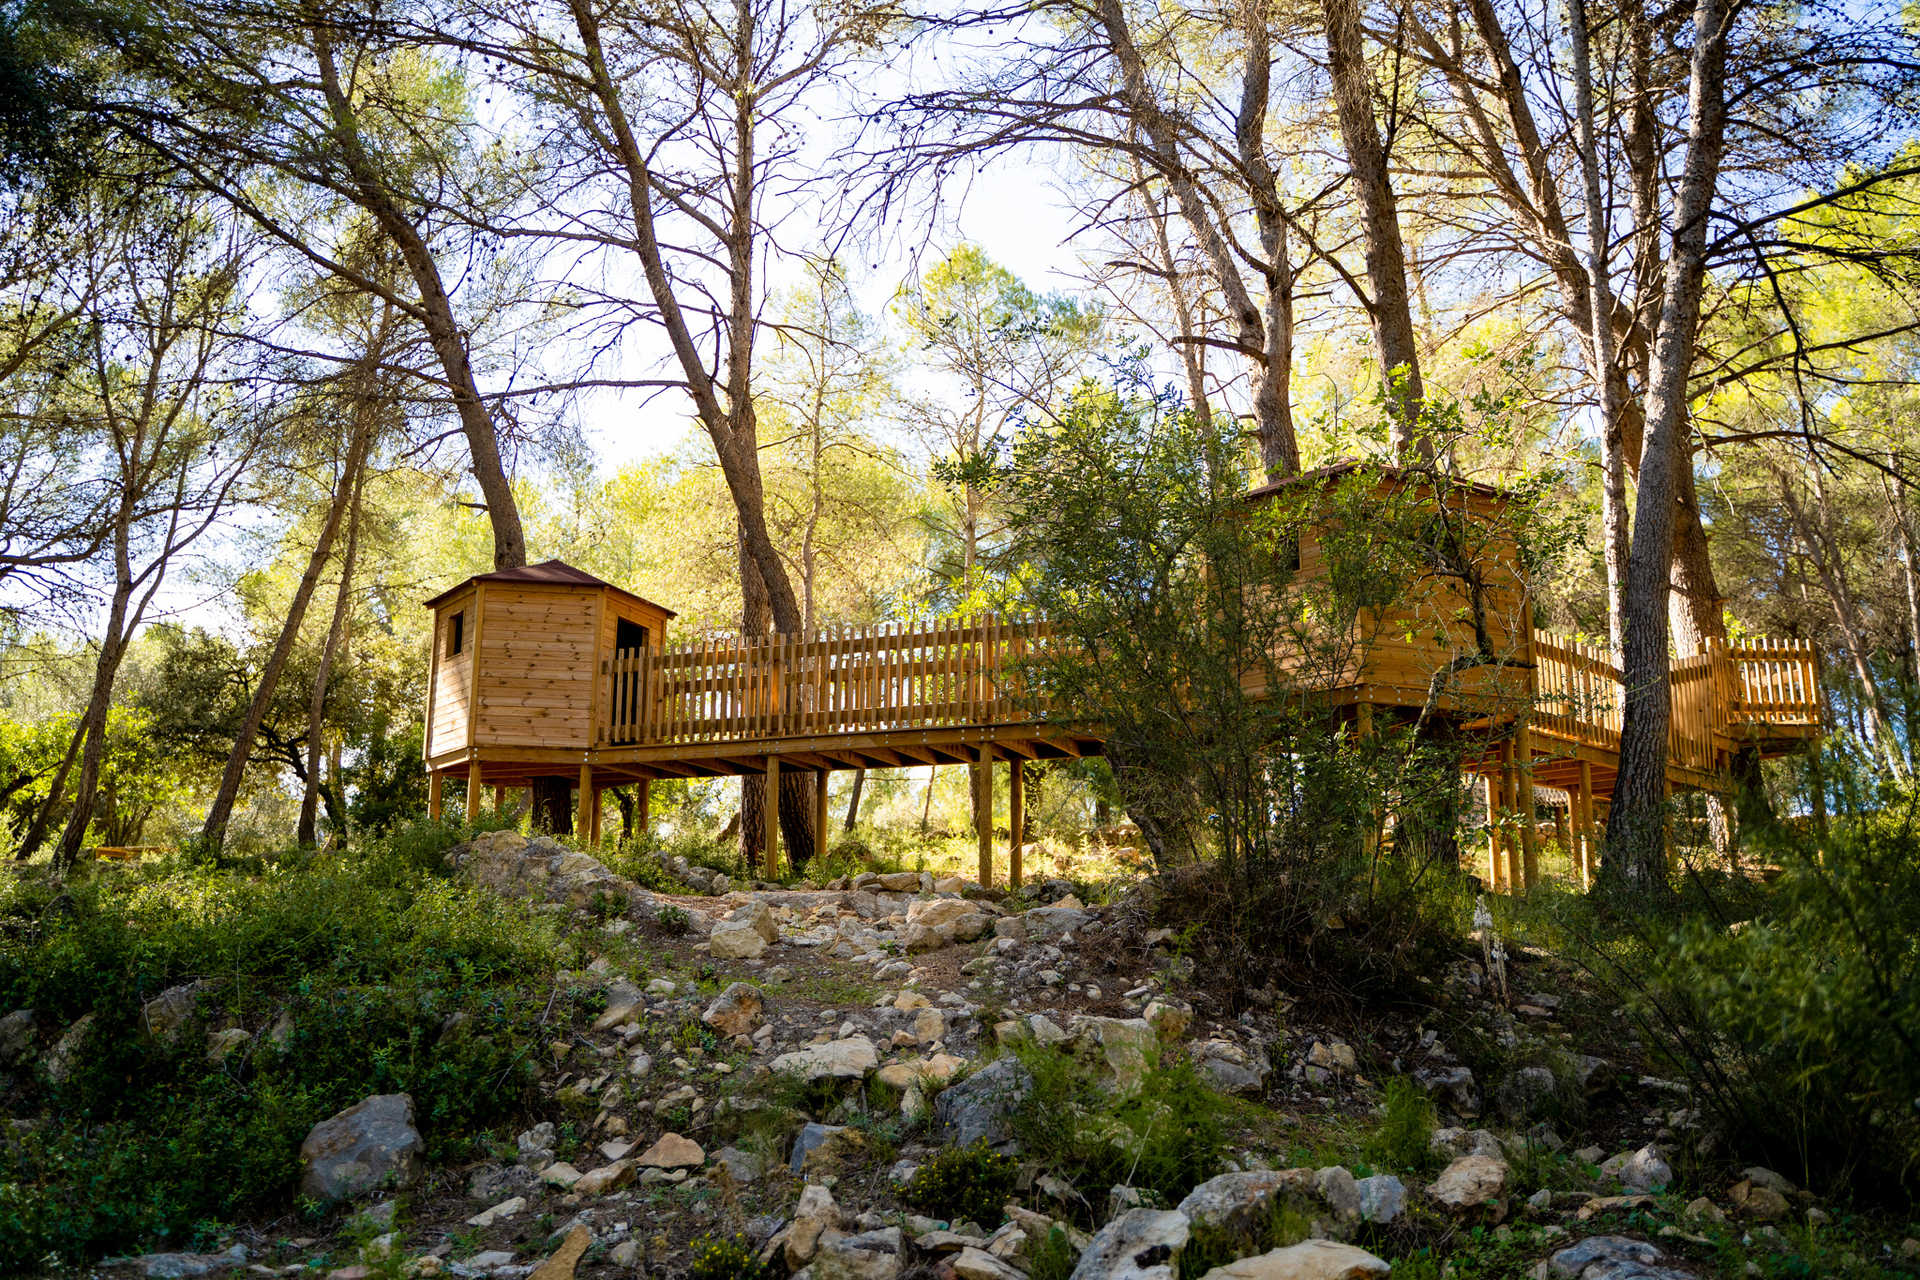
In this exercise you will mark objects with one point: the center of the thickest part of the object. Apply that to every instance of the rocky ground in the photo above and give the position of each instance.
(770, 1066)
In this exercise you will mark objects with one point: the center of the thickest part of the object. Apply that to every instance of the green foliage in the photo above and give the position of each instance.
(360, 974)
(1165, 1137)
(964, 1183)
(1052, 1257)
(725, 1258)
(1403, 1140)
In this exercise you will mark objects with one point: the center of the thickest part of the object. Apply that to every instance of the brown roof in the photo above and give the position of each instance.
(1347, 466)
(549, 573)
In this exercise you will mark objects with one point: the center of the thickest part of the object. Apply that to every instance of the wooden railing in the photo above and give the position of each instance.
(944, 673)
(842, 680)
(1715, 695)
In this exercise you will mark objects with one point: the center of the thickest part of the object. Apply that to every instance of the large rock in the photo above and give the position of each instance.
(564, 1259)
(931, 913)
(737, 1011)
(672, 1151)
(16, 1038)
(981, 1107)
(1239, 1204)
(166, 1014)
(736, 940)
(1141, 1244)
(1122, 1048)
(849, 1059)
(1383, 1198)
(872, 1255)
(512, 865)
(64, 1058)
(1644, 1170)
(369, 1145)
(1308, 1260)
(1471, 1183)
(757, 916)
(1047, 923)
(189, 1266)
(1611, 1258)
(813, 1216)
(625, 1002)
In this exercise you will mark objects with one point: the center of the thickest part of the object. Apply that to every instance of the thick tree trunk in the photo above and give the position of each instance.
(1635, 855)
(1386, 254)
(553, 805)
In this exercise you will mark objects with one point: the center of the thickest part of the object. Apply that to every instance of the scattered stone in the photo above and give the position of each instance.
(1611, 1258)
(977, 1264)
(1760, 1203)
(1168, 1019)
(624, 1003)
(1338, 1188)
(165, 1016)
(758, 917)
(371, 1144)
(1644, 1170)
(186, 1266)
(1471, 1183)
(736, 940)
(1705, 1210)
(1614, 1204)
(821, 1144)
(1123, 1048)
(540, 867)
(1452, 1087)
(16, 1038)
(1527, 1094)
(1333, 1056)
(871, 1255)
(1308, 1260)
(561, 1175)
(597, 1182)
(815, 1214)
(743, 1167)
(1383, 1198)
(505, 1209)
(60, 1061)
(560, 1266)
(737, 1010)
(222, 1044)
(672, 1152)
(1762, 1177)
(1141, 1244)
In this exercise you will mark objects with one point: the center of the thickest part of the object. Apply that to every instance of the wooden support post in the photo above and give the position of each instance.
(435, 780)
(1016, 817)
(1583, 822)
(983, 813)
(1493, 831)
(820, 813)
(583, 811)
(473, 792)
(1529, 834)
(770, 822)
(1509, 804)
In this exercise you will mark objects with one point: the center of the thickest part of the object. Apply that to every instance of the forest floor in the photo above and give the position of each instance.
(815, 1082)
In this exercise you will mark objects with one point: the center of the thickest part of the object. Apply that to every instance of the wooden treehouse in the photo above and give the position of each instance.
(547, 672)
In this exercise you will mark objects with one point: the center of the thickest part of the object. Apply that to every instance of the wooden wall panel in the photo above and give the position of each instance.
(450, 700)
(540, 660)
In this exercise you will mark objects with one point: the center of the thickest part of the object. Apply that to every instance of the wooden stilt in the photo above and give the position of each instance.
(1509, 806)
(435, 780)
(583, 813)
(1583, 822)
(770, 822)
(820, 813)
(1016, 817)
(473, 792)
(1493, 830)
(1523, 776)
(983, 814)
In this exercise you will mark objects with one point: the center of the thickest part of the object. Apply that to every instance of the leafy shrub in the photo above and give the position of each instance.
(970, 1183)
(391, 978)
(1165, 1137)
(725, 1258)
(672, 921)
(1404, 1137)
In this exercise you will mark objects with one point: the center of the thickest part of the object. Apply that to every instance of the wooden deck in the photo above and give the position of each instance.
(949, 692)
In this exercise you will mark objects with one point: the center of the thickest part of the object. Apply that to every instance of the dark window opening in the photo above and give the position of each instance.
(456, 633)
(628, 635)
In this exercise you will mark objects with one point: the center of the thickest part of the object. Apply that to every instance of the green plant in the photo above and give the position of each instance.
(672, 921)
(1052, 1256)
(725, 1258)
(970, 1183)
(1403, 1138)
(1163, 1136)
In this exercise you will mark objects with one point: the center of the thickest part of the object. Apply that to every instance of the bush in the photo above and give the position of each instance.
(1165, 1137)
(390, 977)
(725, 1258)
(964, 1183)
(1404, 1137)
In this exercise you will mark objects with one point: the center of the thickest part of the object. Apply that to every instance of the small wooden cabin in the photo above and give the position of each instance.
(1389, 656)
(517, 656)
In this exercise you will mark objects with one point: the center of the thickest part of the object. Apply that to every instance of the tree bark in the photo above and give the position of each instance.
(1635, 856)
(317, 704)
(853, 799)
(1386, 255)
(214, 832)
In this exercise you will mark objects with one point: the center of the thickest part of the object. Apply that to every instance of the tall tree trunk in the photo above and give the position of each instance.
(93, 722)
(317, 704)
(1273, 374)
(37, 830)
(434, 311)
(1613, 466)
(1389, 307)
(214, 831)
(1635, 856)
(853, 799)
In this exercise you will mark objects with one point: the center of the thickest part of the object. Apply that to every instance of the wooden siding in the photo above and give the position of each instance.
(537, 660)
(450, 699)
